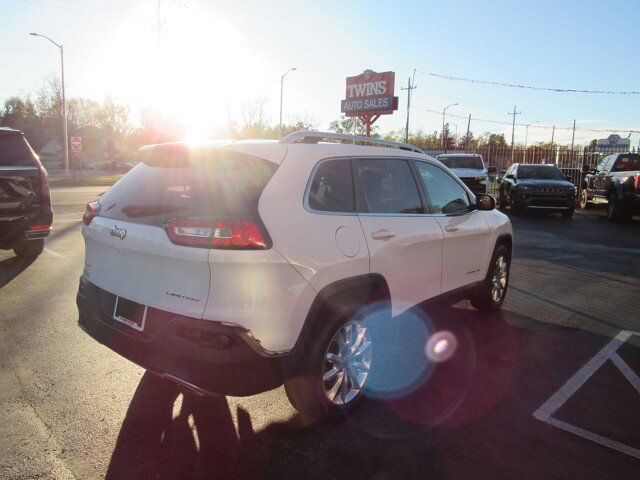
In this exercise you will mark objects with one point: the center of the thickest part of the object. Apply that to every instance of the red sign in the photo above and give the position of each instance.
(76, 147)
(370, 94)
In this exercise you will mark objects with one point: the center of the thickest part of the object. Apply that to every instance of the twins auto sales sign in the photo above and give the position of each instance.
(369, 94)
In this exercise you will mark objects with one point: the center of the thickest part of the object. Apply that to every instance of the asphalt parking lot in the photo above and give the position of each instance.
(546, 388)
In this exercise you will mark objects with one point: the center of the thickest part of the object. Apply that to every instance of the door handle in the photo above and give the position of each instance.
(382, 234)
(451, 229)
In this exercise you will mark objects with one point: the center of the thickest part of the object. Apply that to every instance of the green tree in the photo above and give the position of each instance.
(351, 126)
(21, 114)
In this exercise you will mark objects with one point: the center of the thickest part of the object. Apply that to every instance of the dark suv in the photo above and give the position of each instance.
(537, 186)
(25, 202)
(616, 182)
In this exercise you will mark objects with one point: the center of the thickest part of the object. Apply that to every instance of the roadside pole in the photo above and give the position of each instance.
(466, 139)
(513, 129)
(410, 86)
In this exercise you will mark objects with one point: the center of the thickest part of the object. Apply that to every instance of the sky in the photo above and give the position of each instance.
(212, 57)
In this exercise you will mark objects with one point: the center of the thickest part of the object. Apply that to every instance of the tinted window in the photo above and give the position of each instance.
(332, 187)
(388, 187)
(471, 161)
(540, 172)
(627, 163)
(203, 183)
(14, 151)
(445, 194)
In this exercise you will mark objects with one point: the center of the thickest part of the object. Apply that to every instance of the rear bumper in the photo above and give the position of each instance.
(17, 229)
(206, 356)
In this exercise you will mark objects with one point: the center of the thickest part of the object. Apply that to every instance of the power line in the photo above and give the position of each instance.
(498, 122)
(531, 87)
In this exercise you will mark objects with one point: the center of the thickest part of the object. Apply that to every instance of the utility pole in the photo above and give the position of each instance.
(410, 86)
(573, 136)
(466, 139)
(513, 129)
(281, 91)
(159, 23)
(444, 111)
(553, 150)
(64, 105)
(526, 138)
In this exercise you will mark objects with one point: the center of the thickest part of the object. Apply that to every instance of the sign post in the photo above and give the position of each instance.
(370, 95)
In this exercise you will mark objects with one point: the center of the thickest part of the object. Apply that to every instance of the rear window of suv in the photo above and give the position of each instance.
(472, 162)
(627, 163)
(176, 182)
(15, 151)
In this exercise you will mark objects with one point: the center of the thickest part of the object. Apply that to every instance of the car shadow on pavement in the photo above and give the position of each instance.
(394, 434)
(11, 267)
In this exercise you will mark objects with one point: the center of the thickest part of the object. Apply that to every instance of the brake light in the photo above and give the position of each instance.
(92, 210)
(44, 187)
(44, 226)
(231, 234)
(636, 182)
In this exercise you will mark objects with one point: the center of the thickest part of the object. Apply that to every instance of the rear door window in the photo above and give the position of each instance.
(388, 186)
(175, 182)
(332, 187)
(15, 151)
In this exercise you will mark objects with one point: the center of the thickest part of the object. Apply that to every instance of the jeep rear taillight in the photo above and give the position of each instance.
(224, 234)
(92, 210)
(45, 193)
(636, 182)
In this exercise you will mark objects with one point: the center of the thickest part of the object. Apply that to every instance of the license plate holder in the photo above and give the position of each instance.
(130, 313)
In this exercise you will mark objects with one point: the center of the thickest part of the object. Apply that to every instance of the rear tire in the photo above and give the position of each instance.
(331, 378)
(491, 293)
(614, 208)
(29, 248)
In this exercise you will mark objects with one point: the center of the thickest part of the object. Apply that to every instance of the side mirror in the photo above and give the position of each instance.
(485, 202)
(585, 168)
(511, 176)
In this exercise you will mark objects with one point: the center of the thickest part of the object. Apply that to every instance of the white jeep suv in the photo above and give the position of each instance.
(236, 267)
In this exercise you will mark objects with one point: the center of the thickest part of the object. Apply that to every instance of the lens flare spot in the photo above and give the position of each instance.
(441, 346)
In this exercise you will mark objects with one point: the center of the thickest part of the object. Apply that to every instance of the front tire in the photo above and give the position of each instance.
(28, 249)
(331, 379)
(567, 214)
(584, 200)
(491, 292)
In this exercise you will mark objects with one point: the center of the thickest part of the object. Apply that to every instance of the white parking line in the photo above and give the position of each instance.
(608, 352)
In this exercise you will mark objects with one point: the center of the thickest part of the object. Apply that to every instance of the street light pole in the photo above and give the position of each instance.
(281, 92)
(64, 104)
(444, 111)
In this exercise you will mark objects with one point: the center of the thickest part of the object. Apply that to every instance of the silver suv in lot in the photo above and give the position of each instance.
(470, 168)
(236, 267)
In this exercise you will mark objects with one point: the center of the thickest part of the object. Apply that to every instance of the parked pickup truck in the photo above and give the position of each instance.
(470, 168)
(25, 202)
(616, 182)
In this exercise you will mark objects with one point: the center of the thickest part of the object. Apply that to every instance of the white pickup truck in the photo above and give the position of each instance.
(470, 168)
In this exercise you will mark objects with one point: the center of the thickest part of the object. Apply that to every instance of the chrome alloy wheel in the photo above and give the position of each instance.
(499, 278)
(346, 363)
